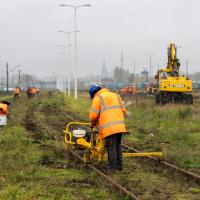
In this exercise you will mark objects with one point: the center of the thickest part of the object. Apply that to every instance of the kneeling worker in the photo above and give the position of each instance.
(107, 111)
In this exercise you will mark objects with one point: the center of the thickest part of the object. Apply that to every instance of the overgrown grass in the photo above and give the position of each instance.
(152, 128)
(174, 129)
(5, 97)
(29, 168)
(80, 107)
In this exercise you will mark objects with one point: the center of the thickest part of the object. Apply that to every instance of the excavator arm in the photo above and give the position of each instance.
(173, 64)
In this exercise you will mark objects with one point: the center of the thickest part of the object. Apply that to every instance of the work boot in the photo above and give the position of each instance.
(119, 168)
(108, 170)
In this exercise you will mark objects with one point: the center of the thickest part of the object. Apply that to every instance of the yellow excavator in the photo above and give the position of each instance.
(171, 86)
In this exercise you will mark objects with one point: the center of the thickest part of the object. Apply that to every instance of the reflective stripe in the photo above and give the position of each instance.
(110, 108)
(120, 103)
(118, 99)
(94, 110)
(105, 108)
(111, 124)
(102, 102)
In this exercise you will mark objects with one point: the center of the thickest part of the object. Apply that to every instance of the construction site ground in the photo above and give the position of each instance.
(34, 164)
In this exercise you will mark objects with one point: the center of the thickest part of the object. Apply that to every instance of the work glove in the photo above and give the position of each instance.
(91, 127)
(92, 124)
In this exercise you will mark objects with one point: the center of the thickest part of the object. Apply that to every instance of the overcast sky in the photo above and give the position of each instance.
(138, 27)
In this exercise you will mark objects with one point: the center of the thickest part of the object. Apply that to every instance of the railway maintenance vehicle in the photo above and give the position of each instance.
(79, 137)
(171, 86)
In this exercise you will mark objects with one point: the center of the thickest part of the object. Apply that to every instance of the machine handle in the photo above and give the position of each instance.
(92, 136)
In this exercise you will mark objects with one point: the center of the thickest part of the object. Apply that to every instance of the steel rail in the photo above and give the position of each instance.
(190, 174)
(108, 178)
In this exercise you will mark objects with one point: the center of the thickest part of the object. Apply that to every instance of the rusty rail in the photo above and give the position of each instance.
(190, 174)
(108, 178)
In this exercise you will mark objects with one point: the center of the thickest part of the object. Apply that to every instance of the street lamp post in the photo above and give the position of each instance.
(134, 76)
(7, 77)
(19, 77)
(68, 54)
(60, 80)
(75, 43)
(150, 66)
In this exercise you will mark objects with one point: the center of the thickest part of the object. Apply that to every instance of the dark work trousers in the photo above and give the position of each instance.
(16, 96)
(113, 146)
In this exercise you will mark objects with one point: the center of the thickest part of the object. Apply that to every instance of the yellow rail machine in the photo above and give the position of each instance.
(79, 137)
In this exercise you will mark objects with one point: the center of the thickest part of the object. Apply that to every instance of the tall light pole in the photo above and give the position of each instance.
(19, 77)
(134, 66)
(27, 80)
(7, 77)
(68, 33)
(60, 80)
(75, 43)
(150, 65)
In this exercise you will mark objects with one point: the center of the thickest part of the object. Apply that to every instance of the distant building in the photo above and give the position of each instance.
(48, 83)
(145, 75)
(111, 84)
(105, 81)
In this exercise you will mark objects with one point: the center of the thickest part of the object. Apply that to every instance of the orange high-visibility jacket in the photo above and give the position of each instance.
(3, 109)
(107, 110)
(16, 91)
(33, 90)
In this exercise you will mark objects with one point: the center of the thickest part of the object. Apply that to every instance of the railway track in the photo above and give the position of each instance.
(127, 191)
(167, 164)
(187, 173)
(190, 174)
(117, 185)
(110, 180)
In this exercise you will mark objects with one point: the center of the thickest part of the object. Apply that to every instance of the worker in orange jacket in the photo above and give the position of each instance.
(33, 91)
(37, 91)
(28, 92)
(16, 93)
(107, 111)
(4, 107)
